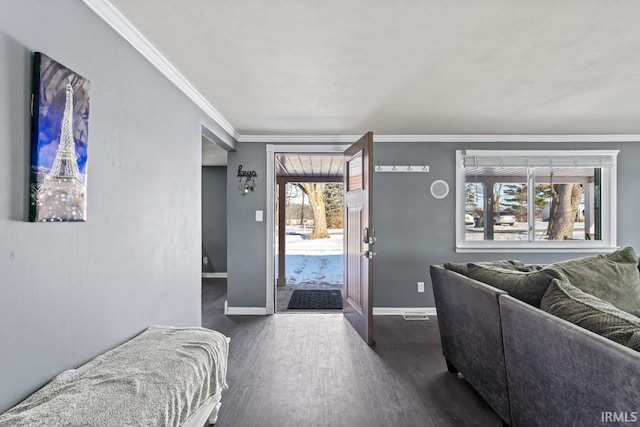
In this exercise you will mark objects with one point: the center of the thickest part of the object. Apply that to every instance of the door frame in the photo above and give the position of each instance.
(272, 150)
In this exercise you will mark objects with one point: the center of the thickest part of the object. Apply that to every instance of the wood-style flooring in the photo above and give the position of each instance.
(298, 369)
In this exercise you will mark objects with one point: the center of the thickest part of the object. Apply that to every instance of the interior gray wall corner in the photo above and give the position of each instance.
(214, 217)
(71, 291)
(215, 133)
(247, 248)
(415, 230)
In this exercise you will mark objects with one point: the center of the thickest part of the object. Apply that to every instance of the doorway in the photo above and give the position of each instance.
(309, 261)
(214, 209)
(298, 164)
(357, 164)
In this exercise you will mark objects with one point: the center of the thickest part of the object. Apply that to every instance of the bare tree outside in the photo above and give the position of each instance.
(497, 197)
(302, 209)
(326, 205)
(565, 199)
(316, 200)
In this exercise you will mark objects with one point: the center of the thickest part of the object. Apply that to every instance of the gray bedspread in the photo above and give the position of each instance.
(158, 378)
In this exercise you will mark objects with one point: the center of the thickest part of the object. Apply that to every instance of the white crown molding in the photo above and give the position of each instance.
(290, 148)
(438, 138)
(288, 139)
(107, 12)
(507, 138)
(112, 16)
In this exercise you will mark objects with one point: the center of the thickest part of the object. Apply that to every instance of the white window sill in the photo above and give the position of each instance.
(599, 249)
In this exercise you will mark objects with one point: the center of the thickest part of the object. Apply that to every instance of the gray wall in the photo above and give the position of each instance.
(413, 229)
(70, 291)
(214, 216)
(246, 250)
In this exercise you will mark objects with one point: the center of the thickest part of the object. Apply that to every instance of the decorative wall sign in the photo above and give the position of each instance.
(59, 138)
(249, 183)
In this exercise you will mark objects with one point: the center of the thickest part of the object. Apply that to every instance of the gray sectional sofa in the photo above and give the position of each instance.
(531, 366)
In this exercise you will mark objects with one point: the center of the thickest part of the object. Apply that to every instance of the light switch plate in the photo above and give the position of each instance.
(259, 216)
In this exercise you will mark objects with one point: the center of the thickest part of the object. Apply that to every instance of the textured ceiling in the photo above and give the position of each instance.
(406, 67)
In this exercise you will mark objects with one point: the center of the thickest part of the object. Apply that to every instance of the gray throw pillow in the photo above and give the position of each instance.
(527, 286)
(461, 267)
(613, 277)
(567, 302)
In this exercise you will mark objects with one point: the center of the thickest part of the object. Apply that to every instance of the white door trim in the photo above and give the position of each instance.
(271, 205)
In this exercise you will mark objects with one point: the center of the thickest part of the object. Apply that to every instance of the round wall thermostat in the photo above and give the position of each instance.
(439, 189)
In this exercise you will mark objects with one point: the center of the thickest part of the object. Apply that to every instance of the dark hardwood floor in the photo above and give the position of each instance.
(297, 369)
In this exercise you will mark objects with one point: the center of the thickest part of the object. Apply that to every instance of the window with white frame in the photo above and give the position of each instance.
(552, 200)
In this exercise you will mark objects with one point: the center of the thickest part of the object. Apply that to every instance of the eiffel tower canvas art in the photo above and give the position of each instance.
(60, 131)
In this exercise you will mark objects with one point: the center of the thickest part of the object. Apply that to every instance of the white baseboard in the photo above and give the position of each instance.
(377, 311)
(244, 311)
(399, 311)
(214, 275)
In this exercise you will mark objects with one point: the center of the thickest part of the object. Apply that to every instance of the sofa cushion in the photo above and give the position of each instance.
(634, 342)
(527, 286)
(612, 277)
(461, 267)
(567, 302)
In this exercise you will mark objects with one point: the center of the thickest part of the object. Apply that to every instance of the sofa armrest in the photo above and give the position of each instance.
(562, 375)
(471, 334)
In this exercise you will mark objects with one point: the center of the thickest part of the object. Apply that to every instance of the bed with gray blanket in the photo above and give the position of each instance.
(163, 377)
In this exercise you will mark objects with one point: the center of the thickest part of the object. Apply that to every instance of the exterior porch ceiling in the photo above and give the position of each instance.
(309, 165)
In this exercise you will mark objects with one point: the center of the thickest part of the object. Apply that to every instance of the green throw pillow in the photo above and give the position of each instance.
(527, 268)
(567, 302)
(613, 277)
(634, 342)
(461, 267)
(527, 286)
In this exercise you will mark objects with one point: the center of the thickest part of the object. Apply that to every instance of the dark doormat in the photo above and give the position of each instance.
(316, 299)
